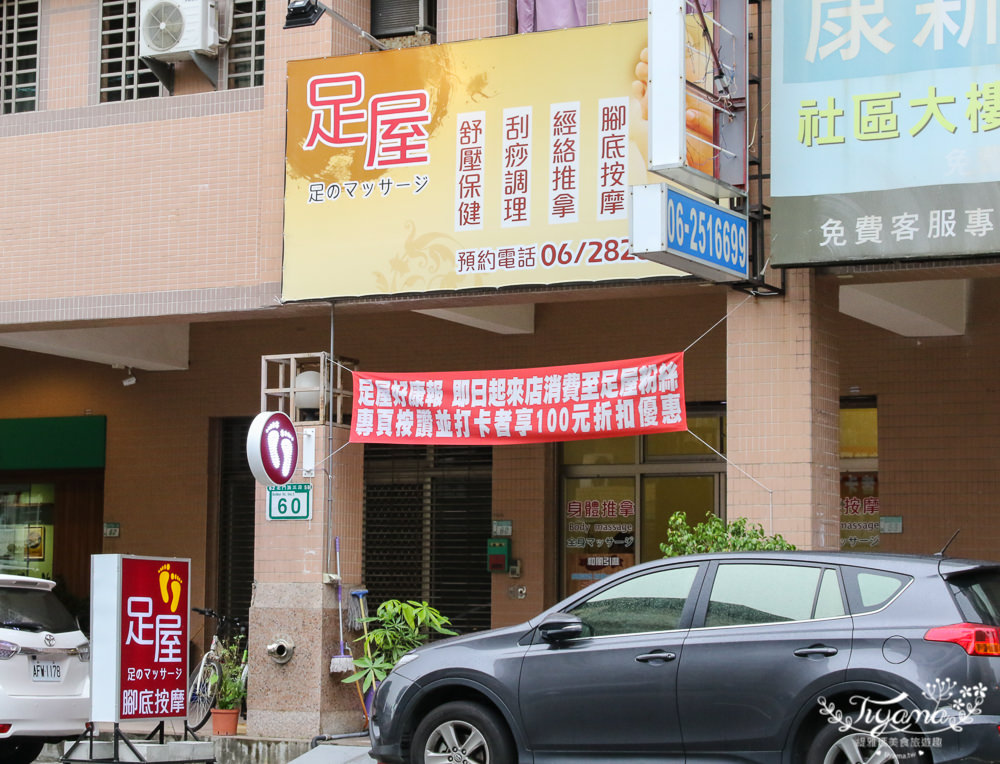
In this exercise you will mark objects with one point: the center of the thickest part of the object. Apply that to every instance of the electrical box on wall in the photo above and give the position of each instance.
(498, 555)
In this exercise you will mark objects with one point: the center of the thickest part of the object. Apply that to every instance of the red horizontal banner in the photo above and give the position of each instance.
(598, 400)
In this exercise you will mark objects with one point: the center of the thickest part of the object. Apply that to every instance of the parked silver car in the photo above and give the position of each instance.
(44, 670)
(768, 657)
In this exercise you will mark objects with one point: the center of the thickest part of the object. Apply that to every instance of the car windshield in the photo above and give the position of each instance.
(33, 610)
(978, 596)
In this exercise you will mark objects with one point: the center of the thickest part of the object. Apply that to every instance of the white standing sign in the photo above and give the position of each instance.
(139, 637)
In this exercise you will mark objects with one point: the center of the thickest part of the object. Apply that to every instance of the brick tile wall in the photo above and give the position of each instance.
(939, 426)
(782, 414)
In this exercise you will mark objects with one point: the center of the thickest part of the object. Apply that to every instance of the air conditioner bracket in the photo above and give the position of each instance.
(209, 67)
(163, 71)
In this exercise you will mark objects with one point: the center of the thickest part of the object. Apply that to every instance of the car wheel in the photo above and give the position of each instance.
(462, 733)
(833, 746)
(20, 750)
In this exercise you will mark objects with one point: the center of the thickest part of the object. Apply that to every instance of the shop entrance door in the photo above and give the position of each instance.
(613, 523)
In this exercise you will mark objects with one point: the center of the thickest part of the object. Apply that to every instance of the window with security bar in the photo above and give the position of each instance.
(246, 45)
(18, 56)
(124, 77)
(428, 515)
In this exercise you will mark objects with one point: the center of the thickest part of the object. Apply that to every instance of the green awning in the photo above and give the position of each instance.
(53, 443)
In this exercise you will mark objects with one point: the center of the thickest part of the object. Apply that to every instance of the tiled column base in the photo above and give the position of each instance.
(301, 698)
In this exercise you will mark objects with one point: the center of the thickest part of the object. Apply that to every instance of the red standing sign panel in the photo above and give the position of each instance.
(154, 638)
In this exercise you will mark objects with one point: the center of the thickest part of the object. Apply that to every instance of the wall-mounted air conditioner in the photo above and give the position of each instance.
(395, 18)
(170, 30)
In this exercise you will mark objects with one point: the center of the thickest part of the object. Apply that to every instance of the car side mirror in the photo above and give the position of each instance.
(560, 627)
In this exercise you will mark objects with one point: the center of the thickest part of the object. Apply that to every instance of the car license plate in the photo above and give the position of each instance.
(46, 671)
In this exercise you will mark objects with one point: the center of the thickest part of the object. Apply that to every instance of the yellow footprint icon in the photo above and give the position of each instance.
(170, 587)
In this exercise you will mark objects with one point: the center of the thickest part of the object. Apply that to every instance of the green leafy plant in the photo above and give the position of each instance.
(232, 655)
(397, 628)
(714, 535)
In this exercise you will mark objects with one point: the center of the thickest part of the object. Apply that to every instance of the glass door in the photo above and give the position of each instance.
(618, 493)
(662, 495)
(599, 529)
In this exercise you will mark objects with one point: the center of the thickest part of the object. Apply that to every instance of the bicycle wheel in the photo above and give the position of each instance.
(202, 688)
(243, 681)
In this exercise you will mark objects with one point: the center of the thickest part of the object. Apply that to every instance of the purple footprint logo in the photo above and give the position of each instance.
(280, 448)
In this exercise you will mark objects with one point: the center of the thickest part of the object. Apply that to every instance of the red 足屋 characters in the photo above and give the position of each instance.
(391, 125)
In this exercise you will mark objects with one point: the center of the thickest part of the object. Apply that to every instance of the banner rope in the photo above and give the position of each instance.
(335, 362)
(770, 492)
(724, 318)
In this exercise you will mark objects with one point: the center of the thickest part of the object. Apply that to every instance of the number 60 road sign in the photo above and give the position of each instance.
(292, 501)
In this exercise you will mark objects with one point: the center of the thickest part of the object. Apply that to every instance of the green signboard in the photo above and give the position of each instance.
(292, 501)
(48, 443)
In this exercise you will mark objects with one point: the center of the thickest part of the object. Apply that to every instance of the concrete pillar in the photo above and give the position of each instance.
(301, 698)
(782, 409)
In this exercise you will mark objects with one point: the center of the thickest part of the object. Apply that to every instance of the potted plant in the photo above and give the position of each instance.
(398, 627)
(231, 689)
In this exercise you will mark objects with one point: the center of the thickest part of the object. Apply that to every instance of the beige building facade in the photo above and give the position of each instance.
(141, 238)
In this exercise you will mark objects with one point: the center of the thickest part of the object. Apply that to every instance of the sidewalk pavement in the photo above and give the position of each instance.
(239, 749)
(339, 752)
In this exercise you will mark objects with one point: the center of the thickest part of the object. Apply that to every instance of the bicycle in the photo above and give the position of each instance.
(203, 684)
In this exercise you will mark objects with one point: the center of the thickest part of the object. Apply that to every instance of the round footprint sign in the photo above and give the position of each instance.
(272, 448)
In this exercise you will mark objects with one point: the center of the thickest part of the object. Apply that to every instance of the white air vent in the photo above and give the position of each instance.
(171, 30)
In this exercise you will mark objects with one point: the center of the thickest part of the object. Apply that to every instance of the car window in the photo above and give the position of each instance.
(33, 610)
(650, 602)
(754, 593)
(829, 601)
(978, 596)
(877, 587)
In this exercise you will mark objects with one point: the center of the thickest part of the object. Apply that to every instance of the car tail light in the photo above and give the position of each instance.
(7, 650)
(975, 638)
(83, 652)
(4, 729)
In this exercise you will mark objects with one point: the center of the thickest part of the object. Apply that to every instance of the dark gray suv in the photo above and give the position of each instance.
(786, 657)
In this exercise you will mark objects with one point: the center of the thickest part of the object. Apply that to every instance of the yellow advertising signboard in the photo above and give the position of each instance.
(489, 163)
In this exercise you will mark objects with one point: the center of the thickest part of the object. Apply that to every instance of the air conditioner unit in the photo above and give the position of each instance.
(170, 30)
(395, 18)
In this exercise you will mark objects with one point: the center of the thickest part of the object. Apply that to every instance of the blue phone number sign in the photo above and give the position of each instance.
(676, 229)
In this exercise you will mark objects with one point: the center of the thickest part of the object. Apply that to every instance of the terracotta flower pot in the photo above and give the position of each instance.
(224, 721)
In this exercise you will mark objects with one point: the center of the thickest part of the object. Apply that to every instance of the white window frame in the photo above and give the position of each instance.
(20, 28)
(123, 76)
(245, 52)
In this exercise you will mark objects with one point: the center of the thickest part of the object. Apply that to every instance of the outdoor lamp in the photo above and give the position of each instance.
(305, 13)
(308, 399)
(302, 13)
